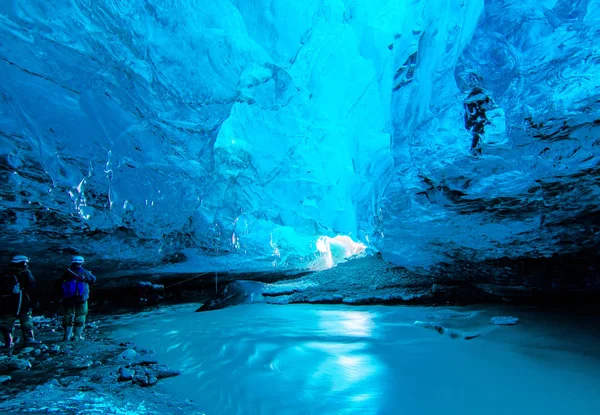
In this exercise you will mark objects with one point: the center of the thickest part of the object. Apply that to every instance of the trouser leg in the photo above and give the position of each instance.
(81, 311)
(69, 316)
(7, 323)
(26, 320)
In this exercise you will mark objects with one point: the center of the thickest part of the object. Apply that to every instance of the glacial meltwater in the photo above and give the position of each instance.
(320, 359)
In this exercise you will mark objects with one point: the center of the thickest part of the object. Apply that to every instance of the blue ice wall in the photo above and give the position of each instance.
(496, 133)
(238, 132)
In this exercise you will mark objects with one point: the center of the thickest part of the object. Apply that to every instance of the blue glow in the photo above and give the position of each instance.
(239, 132)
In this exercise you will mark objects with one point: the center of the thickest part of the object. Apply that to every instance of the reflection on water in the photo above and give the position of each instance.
(302, 359)
(346, 323)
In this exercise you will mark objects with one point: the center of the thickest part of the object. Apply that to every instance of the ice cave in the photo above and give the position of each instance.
(375, 206)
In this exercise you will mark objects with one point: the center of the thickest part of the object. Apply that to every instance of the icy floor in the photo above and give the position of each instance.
(307, 359)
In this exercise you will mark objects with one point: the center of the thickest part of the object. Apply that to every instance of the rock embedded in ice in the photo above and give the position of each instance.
(236, 292)
(453, 334)
(26, 350)
(18, 364)
(504, 320)
(163, 371)
(144, 378)
(125, 374)
(128, 354)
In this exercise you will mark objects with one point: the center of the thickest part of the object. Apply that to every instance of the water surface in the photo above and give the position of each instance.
(307, 359)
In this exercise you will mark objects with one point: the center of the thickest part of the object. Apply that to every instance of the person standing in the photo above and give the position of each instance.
(18, 296)
(75, 286)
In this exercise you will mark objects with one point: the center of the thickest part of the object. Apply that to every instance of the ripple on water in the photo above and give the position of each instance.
(303, 359)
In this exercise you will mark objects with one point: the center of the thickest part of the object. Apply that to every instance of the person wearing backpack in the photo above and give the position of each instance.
(18, 296)
(75, 286)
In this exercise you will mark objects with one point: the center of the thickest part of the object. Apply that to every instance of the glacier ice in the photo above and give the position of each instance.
(237, 134)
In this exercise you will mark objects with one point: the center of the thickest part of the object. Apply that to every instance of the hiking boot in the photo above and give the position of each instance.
(77, 333)
(68, 333)
(8, 342)
(30, 338)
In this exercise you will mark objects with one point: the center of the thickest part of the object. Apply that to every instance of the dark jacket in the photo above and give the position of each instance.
(20, 303)
(78, 273)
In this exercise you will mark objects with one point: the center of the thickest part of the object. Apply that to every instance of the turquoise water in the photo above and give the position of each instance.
(307, 359)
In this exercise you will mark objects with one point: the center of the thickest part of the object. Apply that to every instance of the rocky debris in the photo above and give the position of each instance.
(26, 350)
(125, 374)
(92, 326)
(129, 345)
(504, 320)
(16, 363)
(79, 377)
(146, 375)
(149, 293)
(142, 367)
(145, 357)
(163, 371)
(361, 281)
(54, 383)
(67, 380)
(128, 354)
(82, 364)
(237, 292)
(144, 378)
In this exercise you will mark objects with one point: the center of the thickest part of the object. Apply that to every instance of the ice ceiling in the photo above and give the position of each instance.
(248, 134)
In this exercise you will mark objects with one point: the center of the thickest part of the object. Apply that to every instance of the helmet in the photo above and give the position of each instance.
(17, 259)
(77, 260)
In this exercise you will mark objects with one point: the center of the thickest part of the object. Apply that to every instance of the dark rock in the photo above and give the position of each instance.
(129, 345)
(26, 350)
(163, 372)
(140, 378)
(128, 354)
(53, 383)
(144, 378)
(144, 357)
(144, 351)
(18, 364)
(144, 360)
(4, 379)
(54, 349)
(236, 292)
(68, 380)
(125, 374)
(84, 364)
(453, 334)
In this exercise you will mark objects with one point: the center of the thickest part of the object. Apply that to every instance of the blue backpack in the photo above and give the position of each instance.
(73, 289)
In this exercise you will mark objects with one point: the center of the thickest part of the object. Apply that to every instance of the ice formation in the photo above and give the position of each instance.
(236, 133)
